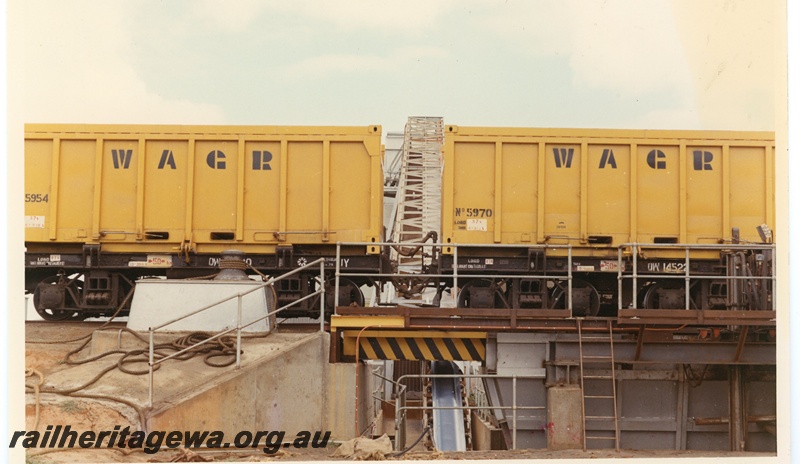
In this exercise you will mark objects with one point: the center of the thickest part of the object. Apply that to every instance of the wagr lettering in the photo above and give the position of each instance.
(702, 160)
(121, 158)
(563, 157)
(167, 159)
(261, 160)
(215, 159)
(608, 159)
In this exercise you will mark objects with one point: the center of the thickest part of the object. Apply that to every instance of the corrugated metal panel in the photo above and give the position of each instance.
(214, 186)
(409, 367)
(511, 185)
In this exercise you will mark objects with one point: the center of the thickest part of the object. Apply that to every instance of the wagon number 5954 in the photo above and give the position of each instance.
(35, 198)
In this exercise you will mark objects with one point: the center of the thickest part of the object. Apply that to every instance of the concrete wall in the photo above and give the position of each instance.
(564, 419)
(341, 399)
(285, 392)
(485, 437)
(296, 391)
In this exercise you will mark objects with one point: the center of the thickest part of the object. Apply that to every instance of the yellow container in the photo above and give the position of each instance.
(597, 189)
(133, 188)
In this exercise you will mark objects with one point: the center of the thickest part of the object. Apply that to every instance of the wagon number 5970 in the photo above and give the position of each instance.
(474, 212)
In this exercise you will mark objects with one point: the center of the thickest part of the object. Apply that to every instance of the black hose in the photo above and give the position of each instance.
(400, 453)
(430, 235)
(221, 347)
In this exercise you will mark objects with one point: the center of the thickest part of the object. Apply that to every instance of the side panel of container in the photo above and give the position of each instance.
(149, 190)
(608, 173)
(38, 189)
(605, 188)
(67, 167)
(142, 194)
(751, 188)
(166, 190)
(657, 199)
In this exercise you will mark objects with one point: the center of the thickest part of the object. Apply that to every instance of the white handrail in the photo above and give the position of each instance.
(686, 275)
(455, 275)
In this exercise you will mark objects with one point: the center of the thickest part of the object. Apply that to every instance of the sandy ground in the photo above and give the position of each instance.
(58, 339)
(94, 415)
(81, 456)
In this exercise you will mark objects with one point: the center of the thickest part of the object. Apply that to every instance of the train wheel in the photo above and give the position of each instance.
(349, 294)
(482, 293)
(585, 298)
(664, 295)
(49, 314)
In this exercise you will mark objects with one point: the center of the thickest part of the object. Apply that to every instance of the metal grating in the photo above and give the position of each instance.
(419, 200)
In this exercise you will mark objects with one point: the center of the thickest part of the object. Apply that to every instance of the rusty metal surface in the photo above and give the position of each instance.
(669, 339)
(527, 319)
(696, 317)
(680, 352)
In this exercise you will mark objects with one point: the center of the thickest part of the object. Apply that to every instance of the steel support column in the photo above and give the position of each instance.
(736, 422)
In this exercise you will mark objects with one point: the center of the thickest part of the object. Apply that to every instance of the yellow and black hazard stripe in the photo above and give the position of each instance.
(426, 346)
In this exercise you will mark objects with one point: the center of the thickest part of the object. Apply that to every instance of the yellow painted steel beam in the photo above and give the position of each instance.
(165, 132)
(726, 190)
(448, 193)
(604, 134)
(240, 189)
(367, 321)
(140, 190)
(498, 192)
(283, 190)
(326, 189)
(189, 194)
(584, 197)
(634, 189)
(376, 152)
(682, 156)
(412, 333)
(54, 188)
(98, 188)
(540, 205)
(769, 151)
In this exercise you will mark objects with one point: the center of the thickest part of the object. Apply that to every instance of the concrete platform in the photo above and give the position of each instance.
(175, 378)
(284, 383)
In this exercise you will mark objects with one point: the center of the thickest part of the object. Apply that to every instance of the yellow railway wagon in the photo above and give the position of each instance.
(147, 199)
(596, 190)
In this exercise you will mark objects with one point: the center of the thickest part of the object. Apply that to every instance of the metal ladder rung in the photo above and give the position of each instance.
(596, 359)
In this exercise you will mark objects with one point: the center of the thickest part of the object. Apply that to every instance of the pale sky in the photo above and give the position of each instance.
(607, 64)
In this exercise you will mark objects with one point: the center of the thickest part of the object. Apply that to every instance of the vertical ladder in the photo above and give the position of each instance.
(597, 401)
